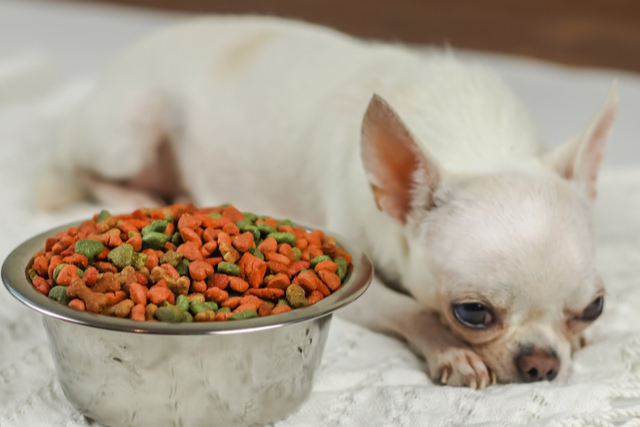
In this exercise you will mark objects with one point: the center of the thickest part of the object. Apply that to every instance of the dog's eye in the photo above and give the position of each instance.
(593, 310)
(472, 314)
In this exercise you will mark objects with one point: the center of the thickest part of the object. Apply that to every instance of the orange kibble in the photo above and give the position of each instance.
(136, 242)
(198, 286)
(77, 304)
(199, 270)
(274, 256)
(244, 307)
(243, 242)
(223, 238)
(170, 229)
(264, 309)
(66, 274)
(330, 279)
(152, 261)
(280, 309)
(276, 267)
(232, 213)
(115, 297)
(237, 284)
(137, 313)
(190, 251)
(210, 234)
(216, 295)
(208, 248)
(307, 281)
(272, 222)
(286, 250)
(297, 266)
(315, 297)
(159, 293)
(54, 262)
(280, 281)
(41, 285)
(219, 280)
(231, 302)
(268, 245)
(267, 293)
(231, 229)
(189, 221)
(41, 265)
(222, 316)
(329, 266)
(188, 235)
(138, 293)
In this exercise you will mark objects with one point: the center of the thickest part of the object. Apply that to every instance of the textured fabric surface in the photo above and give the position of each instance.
(366, 379)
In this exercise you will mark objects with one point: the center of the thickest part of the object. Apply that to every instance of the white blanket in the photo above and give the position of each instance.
(366, 379)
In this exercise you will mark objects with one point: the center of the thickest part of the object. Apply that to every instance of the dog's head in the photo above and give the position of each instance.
(507, 257)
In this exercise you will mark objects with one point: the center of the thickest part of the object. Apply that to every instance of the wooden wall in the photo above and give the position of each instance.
(581, 32)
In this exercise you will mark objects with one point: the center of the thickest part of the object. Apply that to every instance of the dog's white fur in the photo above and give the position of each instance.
(267, 114)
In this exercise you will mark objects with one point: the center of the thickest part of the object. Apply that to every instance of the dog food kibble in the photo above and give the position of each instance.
(182, 264)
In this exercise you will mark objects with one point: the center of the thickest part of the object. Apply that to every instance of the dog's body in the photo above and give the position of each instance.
(267, 114)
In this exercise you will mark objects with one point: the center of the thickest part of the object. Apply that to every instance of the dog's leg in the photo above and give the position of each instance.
(450, 360)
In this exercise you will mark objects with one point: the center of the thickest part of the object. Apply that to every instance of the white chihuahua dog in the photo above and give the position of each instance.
(485, 237)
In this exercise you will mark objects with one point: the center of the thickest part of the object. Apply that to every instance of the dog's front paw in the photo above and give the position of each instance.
(460, 367)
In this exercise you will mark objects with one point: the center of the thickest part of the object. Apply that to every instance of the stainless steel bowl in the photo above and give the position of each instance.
(124, 373)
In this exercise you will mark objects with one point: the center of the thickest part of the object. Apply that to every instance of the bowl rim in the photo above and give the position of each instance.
(14, 276)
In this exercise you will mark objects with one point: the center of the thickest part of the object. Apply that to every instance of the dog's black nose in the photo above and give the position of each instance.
(538, 366)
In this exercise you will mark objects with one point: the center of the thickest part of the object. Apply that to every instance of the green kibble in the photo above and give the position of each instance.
(256, 252)
(284, 238)
(176, 239)
(104, 214)
(247, 314)
(253, 230)
(132, 233)
(165, 304)
(224, 205)
(57, 271)
(198, 307)
(253, 217)
(80, 273)
(171, 257)
(32, 274)
(304, 270)
(154, 240)
(59, 293)
(158, 226)
(264, 217)
(295, 296)
(266, 229)
(171, 314)
(121, 256)
(139, 260)
(183, 302)
(89, 248)
(212, 305)
(183, 267)
(224, 310)
(243, 223)
(168, 218)
(188, 318)
(286, 222)
(282, 302)
(341, 262)
(298, 253)
(315, 261)
(214, 215)
(228, 268)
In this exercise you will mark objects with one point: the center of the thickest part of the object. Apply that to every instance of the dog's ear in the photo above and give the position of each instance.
(581, 157)
(402, 176)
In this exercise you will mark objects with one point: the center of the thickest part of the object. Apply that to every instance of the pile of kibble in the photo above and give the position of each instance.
(182, 264)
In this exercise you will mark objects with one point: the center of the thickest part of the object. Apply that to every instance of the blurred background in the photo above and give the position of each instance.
(559, 56)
